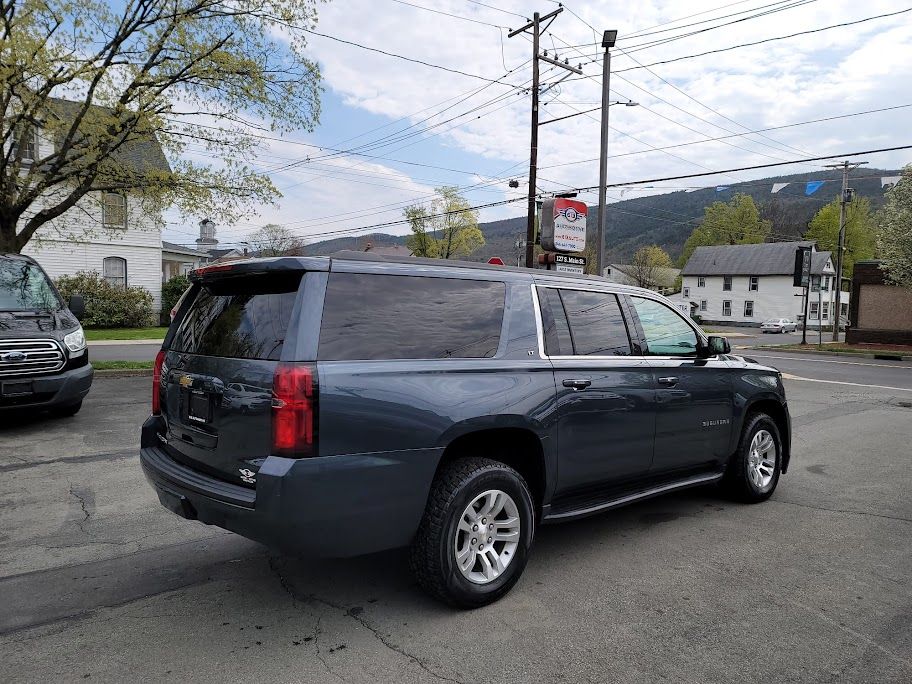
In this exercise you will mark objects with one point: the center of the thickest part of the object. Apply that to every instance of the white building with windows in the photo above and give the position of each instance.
(111, 233)
(748, 284)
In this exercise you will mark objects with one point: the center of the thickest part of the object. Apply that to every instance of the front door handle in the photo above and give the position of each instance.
(578, 384)
(668, 382)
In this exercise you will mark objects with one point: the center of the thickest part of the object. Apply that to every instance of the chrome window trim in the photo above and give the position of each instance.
(539, 326)
(55, 347)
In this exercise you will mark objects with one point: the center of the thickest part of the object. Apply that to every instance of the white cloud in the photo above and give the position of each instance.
(819, 75)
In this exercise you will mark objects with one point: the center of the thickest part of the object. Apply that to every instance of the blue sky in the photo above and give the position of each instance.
(829, 73)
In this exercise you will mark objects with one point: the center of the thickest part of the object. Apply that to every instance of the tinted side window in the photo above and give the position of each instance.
(244, 318)
(667, 334)
(597, 326)
(554, 320)
(369, 316)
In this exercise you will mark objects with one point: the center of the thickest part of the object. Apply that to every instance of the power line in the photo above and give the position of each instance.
(760, 130)
(476, 2)
(620, 185)
(448, 14)
(403, 57)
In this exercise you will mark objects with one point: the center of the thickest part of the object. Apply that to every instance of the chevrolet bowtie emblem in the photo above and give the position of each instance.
(185, 381)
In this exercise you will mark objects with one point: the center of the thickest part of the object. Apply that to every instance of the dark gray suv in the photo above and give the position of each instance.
(346, 405)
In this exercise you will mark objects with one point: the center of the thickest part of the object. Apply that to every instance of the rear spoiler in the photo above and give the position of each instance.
(246, 267)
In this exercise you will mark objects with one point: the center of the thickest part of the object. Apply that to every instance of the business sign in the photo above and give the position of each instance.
(802, 267)
(563, 225)
(568, 263)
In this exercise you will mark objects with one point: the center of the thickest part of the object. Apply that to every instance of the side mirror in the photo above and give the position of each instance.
(76, 305)
(714, 346)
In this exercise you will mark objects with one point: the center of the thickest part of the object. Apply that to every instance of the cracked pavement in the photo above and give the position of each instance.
(100, 583)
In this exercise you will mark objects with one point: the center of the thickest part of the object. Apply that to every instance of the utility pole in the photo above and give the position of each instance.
(608, 40)
(844, 197)
(536, 26)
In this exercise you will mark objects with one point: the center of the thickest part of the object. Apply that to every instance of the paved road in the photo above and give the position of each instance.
(123, 352)
(839, 372)
(753, 336)
(99, 583)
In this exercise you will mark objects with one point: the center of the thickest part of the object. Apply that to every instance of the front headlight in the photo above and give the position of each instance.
(75, 341)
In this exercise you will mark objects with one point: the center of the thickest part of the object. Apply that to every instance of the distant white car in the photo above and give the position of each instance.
(778, 325)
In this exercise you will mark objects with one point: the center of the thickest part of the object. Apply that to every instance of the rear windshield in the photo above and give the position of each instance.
(24, 287)
(242, 318)
(368, 316)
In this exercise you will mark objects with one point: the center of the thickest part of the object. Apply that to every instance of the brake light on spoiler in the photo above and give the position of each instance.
(294, 409)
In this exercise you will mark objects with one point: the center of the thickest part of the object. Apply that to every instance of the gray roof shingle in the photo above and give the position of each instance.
(768, 258)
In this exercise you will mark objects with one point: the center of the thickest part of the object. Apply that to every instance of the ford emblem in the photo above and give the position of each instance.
(14, 357)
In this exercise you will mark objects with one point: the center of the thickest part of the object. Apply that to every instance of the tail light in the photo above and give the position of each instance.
(156, 382)
(294, 409)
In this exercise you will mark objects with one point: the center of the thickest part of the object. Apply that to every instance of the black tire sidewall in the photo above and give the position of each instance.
(463, 591)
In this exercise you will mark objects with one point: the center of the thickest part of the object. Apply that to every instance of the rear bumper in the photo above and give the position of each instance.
(335, 506)
(46, 391)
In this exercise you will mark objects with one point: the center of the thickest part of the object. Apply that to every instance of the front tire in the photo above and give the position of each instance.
(753, 471)
(474, 540)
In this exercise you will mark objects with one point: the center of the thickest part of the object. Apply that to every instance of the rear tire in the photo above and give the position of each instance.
(753, 471)
(68, 410)
(452, 557)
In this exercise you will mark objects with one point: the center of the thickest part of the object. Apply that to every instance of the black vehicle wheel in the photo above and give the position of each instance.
(68, 410)
(753, 471)
(474, 540)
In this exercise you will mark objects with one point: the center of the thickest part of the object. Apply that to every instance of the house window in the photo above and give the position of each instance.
(726, 283)
(754, 284)
(844, 308)
(115, 271)
(748, 309)
(726, 308)
(815, 311)
(687, 292)
(826, 284)
(702, 305)
(826, 311)
(28, 141)
(701, 282)
(114, 210)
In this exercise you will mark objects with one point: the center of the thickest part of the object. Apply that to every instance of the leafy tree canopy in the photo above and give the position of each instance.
(90, 81)
(895, 236)
(736, 222)
(859, 232)
(646, 264)
(447, 229)
(275, 240)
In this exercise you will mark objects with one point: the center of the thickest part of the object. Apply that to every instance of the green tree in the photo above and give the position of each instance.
(736, 222)
(87, 83)
(895, 235)
(646, 264)
(447, 229)
(859, 232)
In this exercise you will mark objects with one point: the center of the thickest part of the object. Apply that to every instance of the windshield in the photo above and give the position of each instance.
(24, 287)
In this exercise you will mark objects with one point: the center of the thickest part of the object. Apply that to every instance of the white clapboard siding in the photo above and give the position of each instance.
(774, 298)
(77, 241)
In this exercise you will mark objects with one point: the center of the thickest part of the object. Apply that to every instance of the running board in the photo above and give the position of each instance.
(572, 514)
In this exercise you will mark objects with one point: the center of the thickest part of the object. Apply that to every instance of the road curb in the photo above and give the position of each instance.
(123, 373)
(888, 356)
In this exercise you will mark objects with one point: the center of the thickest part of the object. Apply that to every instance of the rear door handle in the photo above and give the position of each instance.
(578, 384)
(668, 382)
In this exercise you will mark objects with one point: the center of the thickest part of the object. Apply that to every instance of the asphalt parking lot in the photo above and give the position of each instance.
(99, 583)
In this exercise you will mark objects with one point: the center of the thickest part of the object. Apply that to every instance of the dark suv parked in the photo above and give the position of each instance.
(44, 363)
(343, 406)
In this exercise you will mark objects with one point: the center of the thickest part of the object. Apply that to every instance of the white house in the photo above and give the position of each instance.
(747, 284)
(112, 233)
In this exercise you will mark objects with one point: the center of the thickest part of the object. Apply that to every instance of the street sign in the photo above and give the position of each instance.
(568, 263)
(496, 261)
(563, 225)
(802, 267)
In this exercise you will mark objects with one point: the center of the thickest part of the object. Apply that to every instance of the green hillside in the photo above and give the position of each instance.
(667, 220)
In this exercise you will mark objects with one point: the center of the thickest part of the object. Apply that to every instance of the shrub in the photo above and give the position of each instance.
(171, 292)
(107, 306)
